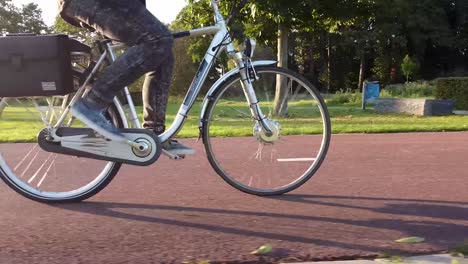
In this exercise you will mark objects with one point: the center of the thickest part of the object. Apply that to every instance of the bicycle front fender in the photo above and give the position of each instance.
(220, 81)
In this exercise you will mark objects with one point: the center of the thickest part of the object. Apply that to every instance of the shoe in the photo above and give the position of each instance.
(95, 119)
(175, 148)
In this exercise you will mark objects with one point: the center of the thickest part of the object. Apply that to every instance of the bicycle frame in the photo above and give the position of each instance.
(221, 42)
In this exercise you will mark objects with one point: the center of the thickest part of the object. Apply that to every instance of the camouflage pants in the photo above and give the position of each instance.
(150, 52)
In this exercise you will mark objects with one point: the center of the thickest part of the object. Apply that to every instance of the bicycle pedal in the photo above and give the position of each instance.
(173, 156)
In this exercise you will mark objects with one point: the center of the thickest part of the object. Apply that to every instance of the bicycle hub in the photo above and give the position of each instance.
(264, 137)
(144, 148)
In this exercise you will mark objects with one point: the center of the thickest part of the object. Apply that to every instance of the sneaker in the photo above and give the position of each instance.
(95, 119)
(175, 148)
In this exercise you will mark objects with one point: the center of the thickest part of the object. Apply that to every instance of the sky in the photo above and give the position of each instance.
(164, 10)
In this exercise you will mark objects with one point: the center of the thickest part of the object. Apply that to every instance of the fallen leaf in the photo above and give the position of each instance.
(457, 255)
(265, 249)
(410, 240)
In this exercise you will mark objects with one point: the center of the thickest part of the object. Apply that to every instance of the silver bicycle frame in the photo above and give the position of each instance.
(221, 42)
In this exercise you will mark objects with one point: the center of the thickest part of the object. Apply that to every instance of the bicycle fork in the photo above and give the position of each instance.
(248, 76)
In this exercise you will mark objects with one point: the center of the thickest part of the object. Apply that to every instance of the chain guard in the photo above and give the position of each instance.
(83, 142)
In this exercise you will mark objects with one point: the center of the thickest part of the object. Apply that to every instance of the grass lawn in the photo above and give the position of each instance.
(353, 120)
(346, 119)
(18, 124)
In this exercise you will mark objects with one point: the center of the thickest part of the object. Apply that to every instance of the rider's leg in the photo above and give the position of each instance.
(131, 23)
(155, 97)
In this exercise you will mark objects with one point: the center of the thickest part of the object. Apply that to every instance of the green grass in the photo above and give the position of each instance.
(18, 124)
(353, 120)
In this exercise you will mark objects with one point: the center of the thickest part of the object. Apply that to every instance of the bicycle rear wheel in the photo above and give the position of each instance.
(251, 160)
(40, 175)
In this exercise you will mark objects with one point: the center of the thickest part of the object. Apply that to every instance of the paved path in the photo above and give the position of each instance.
(372, 190)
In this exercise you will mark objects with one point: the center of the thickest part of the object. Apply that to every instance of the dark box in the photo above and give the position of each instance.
(35, 65)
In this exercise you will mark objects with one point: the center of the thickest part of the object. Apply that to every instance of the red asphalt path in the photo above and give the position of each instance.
(371, 190)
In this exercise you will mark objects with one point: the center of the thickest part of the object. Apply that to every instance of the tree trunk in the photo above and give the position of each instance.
(281, 95)
(362, 71)
(328, 63)
(311, 62)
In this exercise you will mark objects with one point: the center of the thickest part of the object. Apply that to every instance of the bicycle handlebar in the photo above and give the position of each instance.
(218, 17)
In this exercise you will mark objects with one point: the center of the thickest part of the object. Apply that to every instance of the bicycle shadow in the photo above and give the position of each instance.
(446, 232)
(394, 206)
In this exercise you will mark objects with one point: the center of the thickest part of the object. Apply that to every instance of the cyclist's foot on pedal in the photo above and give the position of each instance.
(175, 148)
(94, 118)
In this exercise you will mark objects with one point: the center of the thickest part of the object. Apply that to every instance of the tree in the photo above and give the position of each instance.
(409, 26)
(319, 19)
(27, 19)
(408, 67)
(273, 23)
(338, 43)
(32, 21)
(82, 34)
(184, 67)
(9, 17)
(197, 14)
(277, 17)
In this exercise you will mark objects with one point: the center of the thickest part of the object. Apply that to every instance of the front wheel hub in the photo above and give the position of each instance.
(262, 135)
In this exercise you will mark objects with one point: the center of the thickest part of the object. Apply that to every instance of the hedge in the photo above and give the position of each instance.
(455, 89)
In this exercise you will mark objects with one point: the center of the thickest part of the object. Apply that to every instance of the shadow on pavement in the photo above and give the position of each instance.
(414, 207)
(442, 232)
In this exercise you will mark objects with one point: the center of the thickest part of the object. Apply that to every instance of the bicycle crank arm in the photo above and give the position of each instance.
(144, 150)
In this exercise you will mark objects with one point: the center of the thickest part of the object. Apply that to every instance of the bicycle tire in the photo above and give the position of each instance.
(220, 156)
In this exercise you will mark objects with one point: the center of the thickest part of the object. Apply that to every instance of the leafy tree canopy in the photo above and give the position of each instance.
(25, 19)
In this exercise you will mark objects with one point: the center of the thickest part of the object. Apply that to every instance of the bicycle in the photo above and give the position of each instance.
(275, 154)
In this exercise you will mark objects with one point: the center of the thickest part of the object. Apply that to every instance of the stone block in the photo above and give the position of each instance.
(419, 107)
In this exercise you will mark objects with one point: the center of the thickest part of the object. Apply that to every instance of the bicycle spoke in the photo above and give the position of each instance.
(241, 112)
(258, 154)
(47, 171)
(25, 158)
(51, 110)
(40, 168)
(296, 93)
(29, 165)
(284, 102)
(43, 116)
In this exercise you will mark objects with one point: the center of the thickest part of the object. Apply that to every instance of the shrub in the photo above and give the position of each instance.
(421, 89)
(455, 89)
(344, 98)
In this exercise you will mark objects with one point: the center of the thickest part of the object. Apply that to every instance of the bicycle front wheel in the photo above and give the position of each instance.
(38, 174)
(261, 163)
